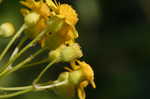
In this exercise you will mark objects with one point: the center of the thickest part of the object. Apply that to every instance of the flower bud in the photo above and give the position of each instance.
(71, 52)
(66, 53)
(67, 90)
(7, 29)
(63, 76)
(55, 24)
(31, 18)
(55, 55)
(76, 77)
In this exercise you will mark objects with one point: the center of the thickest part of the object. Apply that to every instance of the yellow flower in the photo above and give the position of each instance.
(66, 19)
(38, 6)
(79, 76)
(64, 11)
(59, 19)
(69, 13)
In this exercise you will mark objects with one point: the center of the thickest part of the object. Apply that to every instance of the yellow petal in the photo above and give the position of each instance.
(51, 4)
(93, 83)
(81, 93)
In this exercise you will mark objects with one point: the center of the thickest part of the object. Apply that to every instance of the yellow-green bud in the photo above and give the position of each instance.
(76, 77)
(71, 52)
(66, 53)
(55, 55)
(63, 76)
(55, 24)
(67, 90)
(7, 29)
(31, 18)
(73, 79)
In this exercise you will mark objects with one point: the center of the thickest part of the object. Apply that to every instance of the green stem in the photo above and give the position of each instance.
(36, 63)
(18, 47)
(15, 68)
(23, 27)
(51, 85)
(26, 89)
(16, 93)
(25, 48)
(43, 71)
(30, 44)
(15, 88)
(5, 71)
(27, 60)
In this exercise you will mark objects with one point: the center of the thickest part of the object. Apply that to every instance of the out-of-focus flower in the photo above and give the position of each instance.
(1, 1)
(7, 29)
(32, 18)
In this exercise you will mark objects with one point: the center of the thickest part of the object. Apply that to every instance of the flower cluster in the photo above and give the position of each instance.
(53, 26)
(58, 19)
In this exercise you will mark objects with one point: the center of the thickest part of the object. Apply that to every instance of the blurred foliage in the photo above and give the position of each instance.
(115, 38)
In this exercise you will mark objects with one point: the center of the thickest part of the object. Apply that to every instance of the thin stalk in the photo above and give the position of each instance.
(14, 88)
(18, 47)
(43, 71)
(15, 68)
(23, 27)
(26, 89)
(26, 60)
(30, 44)
(51, 85)
(16, 93)
(25, 48)
(5, 71)
(36, 63)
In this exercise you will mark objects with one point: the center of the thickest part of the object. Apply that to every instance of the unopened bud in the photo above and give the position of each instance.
(32, 18)
(66, 53)
(71, 52)
(54, 55)
(7, 29)
(55, 24)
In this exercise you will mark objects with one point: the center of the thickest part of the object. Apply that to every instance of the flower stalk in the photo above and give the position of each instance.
(23, 27)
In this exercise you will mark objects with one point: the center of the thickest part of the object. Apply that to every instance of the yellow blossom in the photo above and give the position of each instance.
(67, 17)
(59, 19)
(79, 76)
(68, 13)
(38, 6)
